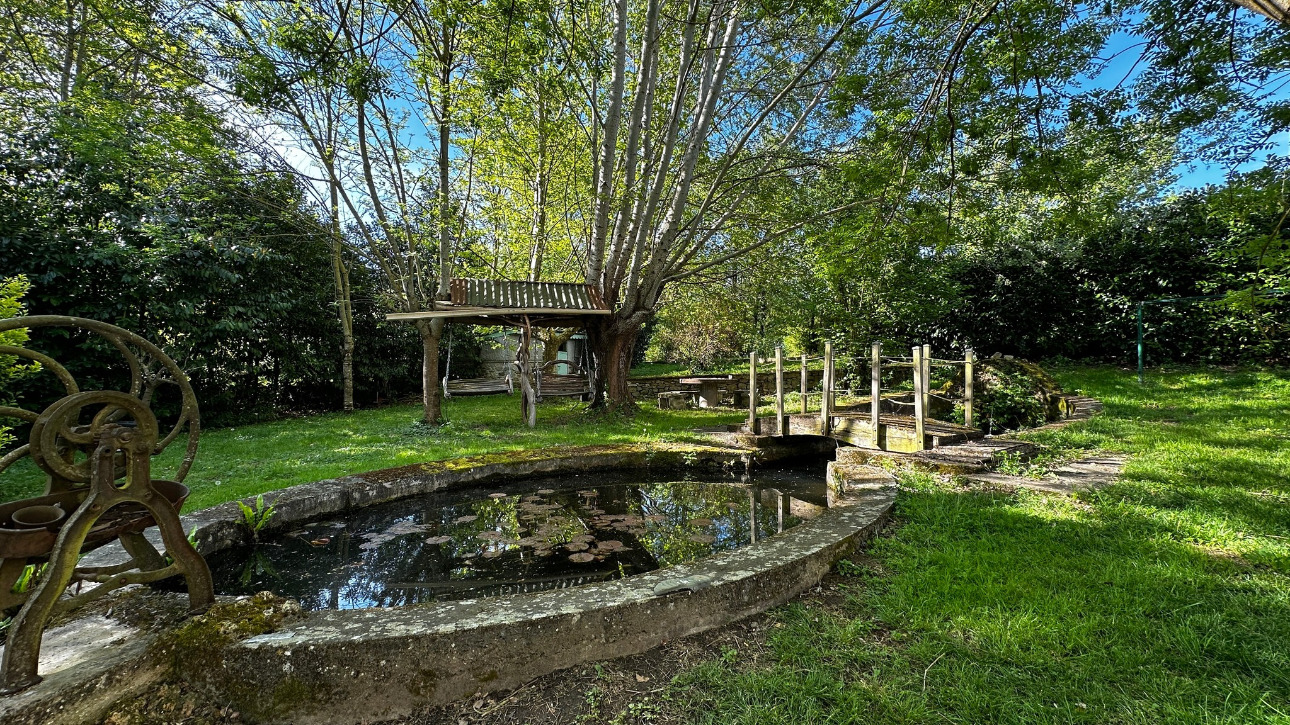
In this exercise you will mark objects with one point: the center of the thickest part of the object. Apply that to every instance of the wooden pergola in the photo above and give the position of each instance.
(520, 304)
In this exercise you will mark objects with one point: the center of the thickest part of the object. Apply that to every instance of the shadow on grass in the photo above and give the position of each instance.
(1017, 609)
(1162, 599)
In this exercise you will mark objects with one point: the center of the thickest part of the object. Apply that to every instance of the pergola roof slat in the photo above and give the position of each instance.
(506, 301)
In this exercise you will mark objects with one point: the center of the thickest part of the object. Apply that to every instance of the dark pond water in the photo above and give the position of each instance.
(543, 533)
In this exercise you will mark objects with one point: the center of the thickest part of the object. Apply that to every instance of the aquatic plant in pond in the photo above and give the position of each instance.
(531, 536)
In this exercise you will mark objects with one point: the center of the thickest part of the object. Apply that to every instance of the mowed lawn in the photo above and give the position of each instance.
(1162, 599)
(247, 460)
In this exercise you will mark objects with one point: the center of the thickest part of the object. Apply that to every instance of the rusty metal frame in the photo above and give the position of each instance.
(109, 494)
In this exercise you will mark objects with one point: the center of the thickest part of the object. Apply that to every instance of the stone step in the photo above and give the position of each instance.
(1086, 474)
(969, 457)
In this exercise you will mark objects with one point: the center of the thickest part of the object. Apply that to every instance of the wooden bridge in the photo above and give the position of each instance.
(865, 423)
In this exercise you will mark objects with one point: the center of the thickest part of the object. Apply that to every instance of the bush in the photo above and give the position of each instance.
(1012, 394)
(12, 369)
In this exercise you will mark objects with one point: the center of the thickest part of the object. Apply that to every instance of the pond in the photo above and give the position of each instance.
(534, 535)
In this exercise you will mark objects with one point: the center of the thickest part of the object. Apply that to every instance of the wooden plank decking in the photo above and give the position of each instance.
(895, 432)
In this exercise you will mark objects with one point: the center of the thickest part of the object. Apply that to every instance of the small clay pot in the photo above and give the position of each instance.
(37, 517)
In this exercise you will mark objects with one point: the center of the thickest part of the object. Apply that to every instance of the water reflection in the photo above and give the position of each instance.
(541, 534)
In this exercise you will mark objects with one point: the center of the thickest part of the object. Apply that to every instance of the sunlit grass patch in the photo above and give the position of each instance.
(1163, 598)
(248, 460)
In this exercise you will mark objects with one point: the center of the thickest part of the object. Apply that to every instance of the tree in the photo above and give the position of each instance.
(705, 104)
(357, 85)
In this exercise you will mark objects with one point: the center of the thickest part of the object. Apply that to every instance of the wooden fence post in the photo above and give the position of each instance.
(805, 383)
(753, 426)
(920, 411)
(969, 357)
(875, 400)
(826, 391)
(927, 379)
(780, 427)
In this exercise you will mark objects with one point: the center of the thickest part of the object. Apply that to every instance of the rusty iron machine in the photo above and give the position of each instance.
(95, 448)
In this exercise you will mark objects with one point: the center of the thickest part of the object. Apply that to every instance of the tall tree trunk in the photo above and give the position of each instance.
(612, 345)
(431, 333)
(344, 303)
(430, 390)
(345, 313)
(552, 340)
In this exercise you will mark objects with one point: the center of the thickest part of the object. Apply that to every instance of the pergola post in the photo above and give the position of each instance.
(753, 426)
(969, 357)
(927, 378)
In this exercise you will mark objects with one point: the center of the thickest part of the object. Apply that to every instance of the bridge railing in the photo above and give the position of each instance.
(920, 363)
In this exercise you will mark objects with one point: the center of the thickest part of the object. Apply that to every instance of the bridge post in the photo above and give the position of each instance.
(753, 426)
(920, 409)
(826, 392)
(875, 399)
(927, 378)
(969, 357)
(805, 381)
(781, 425)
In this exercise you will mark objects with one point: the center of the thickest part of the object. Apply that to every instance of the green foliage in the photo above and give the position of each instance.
(1008, 396)
(255, 518)
(125, 198)
(12, 369)
(1081, 303)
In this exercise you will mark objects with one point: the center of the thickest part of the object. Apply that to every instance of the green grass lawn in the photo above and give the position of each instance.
(246, 460)
(1162, 599)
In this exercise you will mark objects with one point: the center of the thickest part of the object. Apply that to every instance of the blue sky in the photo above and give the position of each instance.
(1124, 48)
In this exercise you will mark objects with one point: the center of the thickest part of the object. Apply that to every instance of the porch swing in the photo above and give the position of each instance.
(574, 384)
(523, 305)
(475, 386)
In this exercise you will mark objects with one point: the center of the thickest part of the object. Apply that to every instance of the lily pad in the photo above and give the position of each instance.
(438, 539)
(581, 558)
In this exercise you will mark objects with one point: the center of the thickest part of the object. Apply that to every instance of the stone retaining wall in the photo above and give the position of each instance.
(343, 667)
(365, 665)
(646, 389)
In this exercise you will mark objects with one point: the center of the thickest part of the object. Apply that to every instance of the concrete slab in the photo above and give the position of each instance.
(88, 665)
(971, 457)
(1086, 474)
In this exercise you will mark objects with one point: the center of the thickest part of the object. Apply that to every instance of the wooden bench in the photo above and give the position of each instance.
(478, 386)
(553, 385)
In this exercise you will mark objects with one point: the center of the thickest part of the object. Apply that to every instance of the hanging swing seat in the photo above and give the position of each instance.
(474, 386)
(478, 386)
(554, 385)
